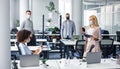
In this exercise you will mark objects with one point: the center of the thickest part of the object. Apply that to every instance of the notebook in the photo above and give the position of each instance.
(29, 60)
(93, 57)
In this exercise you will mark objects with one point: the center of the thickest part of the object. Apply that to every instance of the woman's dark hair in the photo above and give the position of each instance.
(22, 35)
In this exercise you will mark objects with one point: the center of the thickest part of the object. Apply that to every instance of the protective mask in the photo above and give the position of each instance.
(90, 22)
(28, 16)
(28, 40)
(67, 18)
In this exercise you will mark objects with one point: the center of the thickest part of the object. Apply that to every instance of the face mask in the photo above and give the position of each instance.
(90, 22)
(67, 18)
(28, 40)
(28, 16)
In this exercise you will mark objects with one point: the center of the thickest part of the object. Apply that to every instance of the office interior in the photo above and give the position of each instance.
(13, 14)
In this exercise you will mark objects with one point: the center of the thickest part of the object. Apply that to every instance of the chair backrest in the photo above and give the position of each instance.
(79, 44)
(107, 42)
(79, 47)
(118, 35)
(107, 45)
(17, 44)
(14, 31)
(106, 36)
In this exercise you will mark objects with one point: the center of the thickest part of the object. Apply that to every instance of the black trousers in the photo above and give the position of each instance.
(32, 41)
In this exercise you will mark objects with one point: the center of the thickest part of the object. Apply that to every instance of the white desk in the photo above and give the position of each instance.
(47, 34)
(41, 40)
(111, 35)
(108, 34)
(33, 48)
(76, 64)
(37, 40)
(52, 65)
(73, 42)
(14, 48)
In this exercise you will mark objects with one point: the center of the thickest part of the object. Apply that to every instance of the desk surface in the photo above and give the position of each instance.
(75, 64)
(39, 34)
(108, 34)
(38, 40)
(73, 42)
(14, 48)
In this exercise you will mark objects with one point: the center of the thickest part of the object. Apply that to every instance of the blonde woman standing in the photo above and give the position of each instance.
(93, 37)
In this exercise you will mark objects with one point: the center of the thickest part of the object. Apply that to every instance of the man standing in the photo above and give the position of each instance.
(28, 25)
(67, 31)
(68, 28)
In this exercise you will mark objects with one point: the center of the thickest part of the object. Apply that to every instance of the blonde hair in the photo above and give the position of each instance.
(94, 18)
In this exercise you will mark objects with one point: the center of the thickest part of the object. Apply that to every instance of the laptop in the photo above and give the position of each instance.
(29, 60)
(93, 57)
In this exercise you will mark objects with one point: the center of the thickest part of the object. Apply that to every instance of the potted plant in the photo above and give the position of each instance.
(49, 21)
(50, 8)
(17, 23)
(44, 61)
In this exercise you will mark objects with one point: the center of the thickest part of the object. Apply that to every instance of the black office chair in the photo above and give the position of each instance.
(17, 44)
(14, 31)
(105, 36)
(106, 46)
(79, 47)
(118, 35)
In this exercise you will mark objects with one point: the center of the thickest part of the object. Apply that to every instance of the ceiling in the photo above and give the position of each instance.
(101, 2)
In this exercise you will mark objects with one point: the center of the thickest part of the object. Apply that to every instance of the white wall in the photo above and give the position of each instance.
(14, 12)
(38, 9)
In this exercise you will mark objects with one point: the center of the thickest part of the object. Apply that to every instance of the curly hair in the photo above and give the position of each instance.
(23, 35)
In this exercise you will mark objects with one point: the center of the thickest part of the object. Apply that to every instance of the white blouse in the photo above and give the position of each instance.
(24, 49)
(90, 32)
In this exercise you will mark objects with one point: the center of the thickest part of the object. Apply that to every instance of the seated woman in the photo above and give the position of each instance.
(23, 37)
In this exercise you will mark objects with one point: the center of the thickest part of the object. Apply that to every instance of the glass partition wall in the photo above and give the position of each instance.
(108, 14)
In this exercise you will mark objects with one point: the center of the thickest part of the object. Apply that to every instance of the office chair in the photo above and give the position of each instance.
(17, 44)
(105, 32)
(118, 35)
(79, 47)
(106, 46)
(14, 31)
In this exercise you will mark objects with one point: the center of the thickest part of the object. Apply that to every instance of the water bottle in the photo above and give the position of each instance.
(48, 45)
(70, 55)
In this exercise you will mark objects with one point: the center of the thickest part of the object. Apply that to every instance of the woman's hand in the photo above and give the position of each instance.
(94, 38)
(38, 51)
(81, 30)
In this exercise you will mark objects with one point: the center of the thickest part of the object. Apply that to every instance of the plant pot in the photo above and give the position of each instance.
(50, 14)
(48, 24)
(54, 40)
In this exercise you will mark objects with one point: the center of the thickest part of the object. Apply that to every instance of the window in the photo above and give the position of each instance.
(65, 6)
